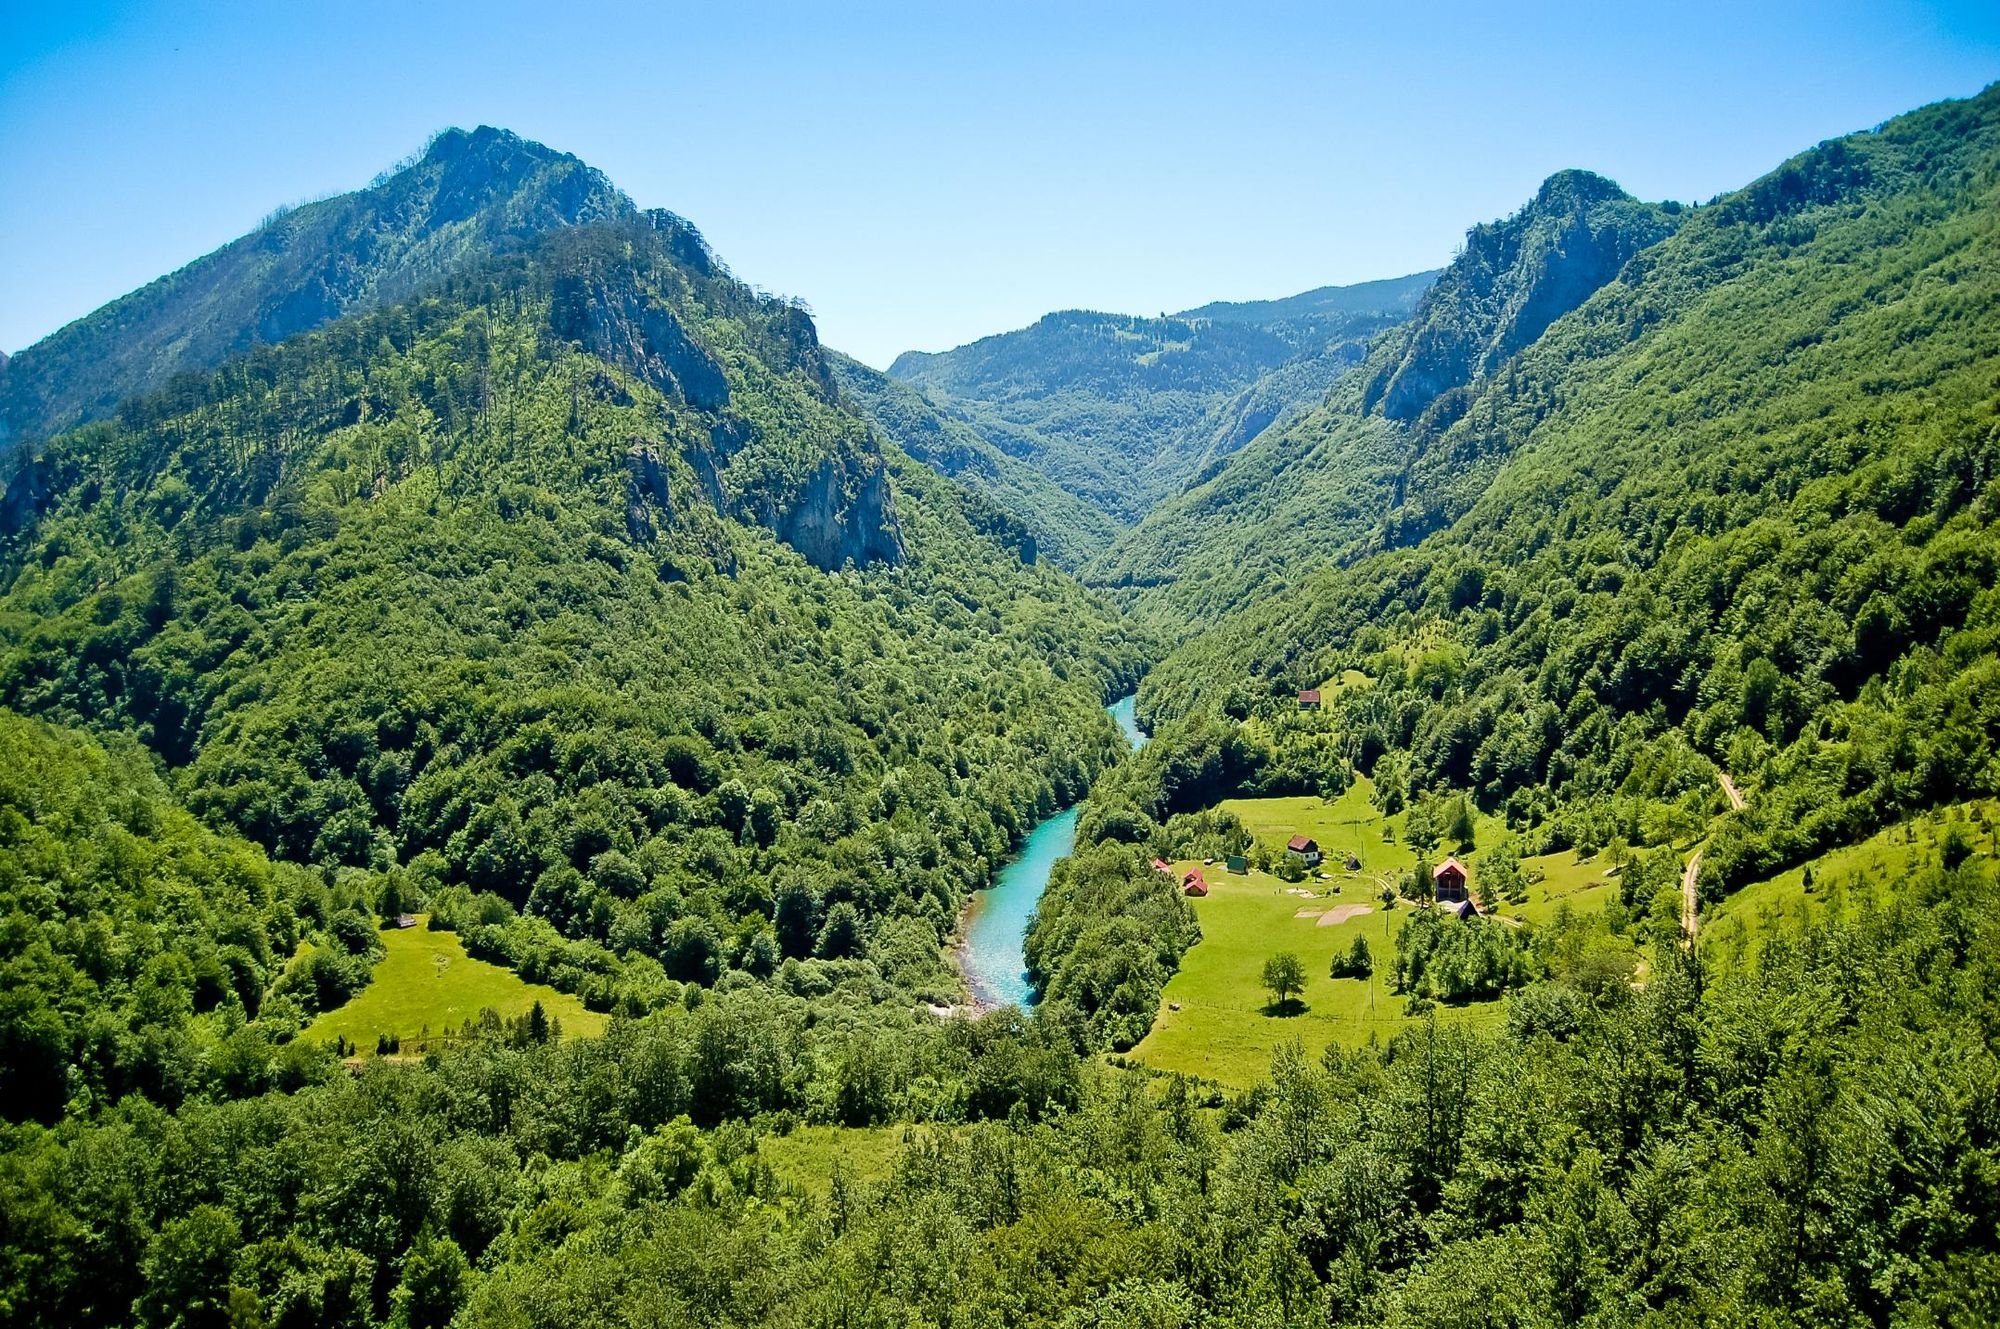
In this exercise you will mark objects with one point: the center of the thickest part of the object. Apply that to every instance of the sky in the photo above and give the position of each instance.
(924, 175)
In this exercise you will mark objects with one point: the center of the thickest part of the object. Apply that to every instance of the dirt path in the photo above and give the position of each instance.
(1729, 788)
(1690, 900)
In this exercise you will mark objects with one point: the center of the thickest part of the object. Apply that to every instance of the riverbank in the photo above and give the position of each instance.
(988, 950)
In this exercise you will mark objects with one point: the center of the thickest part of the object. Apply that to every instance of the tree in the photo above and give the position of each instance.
(1284, 975)
(840, 938)
(435, 1279)
(1356, 962)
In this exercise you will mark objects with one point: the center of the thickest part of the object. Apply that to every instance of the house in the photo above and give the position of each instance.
(1194, 883)
(1238, 864)
(1164, 868)
(1459, 908)
(1449, 879)
(1305, 849)
(1309, 699)
(1353, 863)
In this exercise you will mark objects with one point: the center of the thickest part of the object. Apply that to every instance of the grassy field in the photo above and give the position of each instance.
(426, 981)
(1566, 880)
(1850, 875)
(805, 1156)
(1221, 1030)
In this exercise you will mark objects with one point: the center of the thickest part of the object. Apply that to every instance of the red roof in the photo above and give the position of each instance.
(1309, 695)
(1194, 883)
(1300, 844)
(1450, 865)
(1161, 865)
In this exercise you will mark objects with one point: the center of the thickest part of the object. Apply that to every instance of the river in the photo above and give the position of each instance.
(996, 922)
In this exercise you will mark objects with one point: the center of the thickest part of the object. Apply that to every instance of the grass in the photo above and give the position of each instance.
(805, 1156)
(1853, 874)
(1222, 1031)
(427, 983)
(1566, 880)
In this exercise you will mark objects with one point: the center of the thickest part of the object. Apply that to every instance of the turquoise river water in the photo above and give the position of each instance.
(996, 924)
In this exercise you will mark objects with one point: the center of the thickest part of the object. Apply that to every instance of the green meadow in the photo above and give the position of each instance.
(1213, 1020)
(427, 985)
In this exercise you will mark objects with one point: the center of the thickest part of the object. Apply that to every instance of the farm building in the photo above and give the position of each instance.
(1238, 864)
(1464, 908)
(1309, 699)
(1194, 883)
(1305, 849)
(1449, 878)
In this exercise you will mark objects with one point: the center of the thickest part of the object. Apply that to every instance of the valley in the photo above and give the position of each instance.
(533, 792)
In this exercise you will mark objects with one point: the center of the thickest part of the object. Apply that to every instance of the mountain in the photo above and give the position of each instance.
(1320, 485)
(1389, 295)
(1732, 512)
(467, 196)
(1121, 411)
(566, 595)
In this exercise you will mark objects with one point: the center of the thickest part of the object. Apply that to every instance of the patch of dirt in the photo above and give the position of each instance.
(1340, 913)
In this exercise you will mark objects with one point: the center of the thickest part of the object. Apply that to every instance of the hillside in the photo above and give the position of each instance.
(1121, 411)
(1734, 511)
(1321, 484)
(470, 194)
(545, 596)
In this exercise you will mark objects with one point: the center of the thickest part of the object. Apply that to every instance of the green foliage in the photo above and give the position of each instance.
(1443, 958)
(1734, 512)
(1108, 933)
(1284, 976)
(483, 589)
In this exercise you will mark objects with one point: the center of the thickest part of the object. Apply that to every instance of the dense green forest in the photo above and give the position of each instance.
(638, 666)
(521, 573)
(1734, 513)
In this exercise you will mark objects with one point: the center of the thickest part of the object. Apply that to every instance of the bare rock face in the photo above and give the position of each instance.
(831, 532)
(26, 495)
(619, 323)
(647, 503)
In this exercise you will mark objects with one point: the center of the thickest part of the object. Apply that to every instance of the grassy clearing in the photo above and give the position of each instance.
(426, 982)
(1566, 880)
(1852, 875)
(1222, 1031)
(805, 1156)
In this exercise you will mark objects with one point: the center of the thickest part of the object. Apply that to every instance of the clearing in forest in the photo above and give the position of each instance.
(426, 981)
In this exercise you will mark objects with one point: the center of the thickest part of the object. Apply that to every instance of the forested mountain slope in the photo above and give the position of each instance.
(569, 596)
(1737, 510)
(1063, 526)
(468, 195)
(1320, 482)
(1121, 411)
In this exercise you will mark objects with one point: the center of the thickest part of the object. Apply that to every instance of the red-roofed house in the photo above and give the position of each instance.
(1449, 878)
(1305, 849)
(1309, 699)
(1194, 883)
(1161, 865)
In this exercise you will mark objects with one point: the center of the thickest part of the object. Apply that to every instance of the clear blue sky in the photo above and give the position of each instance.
(927, 174)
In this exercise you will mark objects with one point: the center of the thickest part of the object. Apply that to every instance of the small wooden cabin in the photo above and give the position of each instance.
(1309, 699)
(1238, 864)
(1194, 883)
